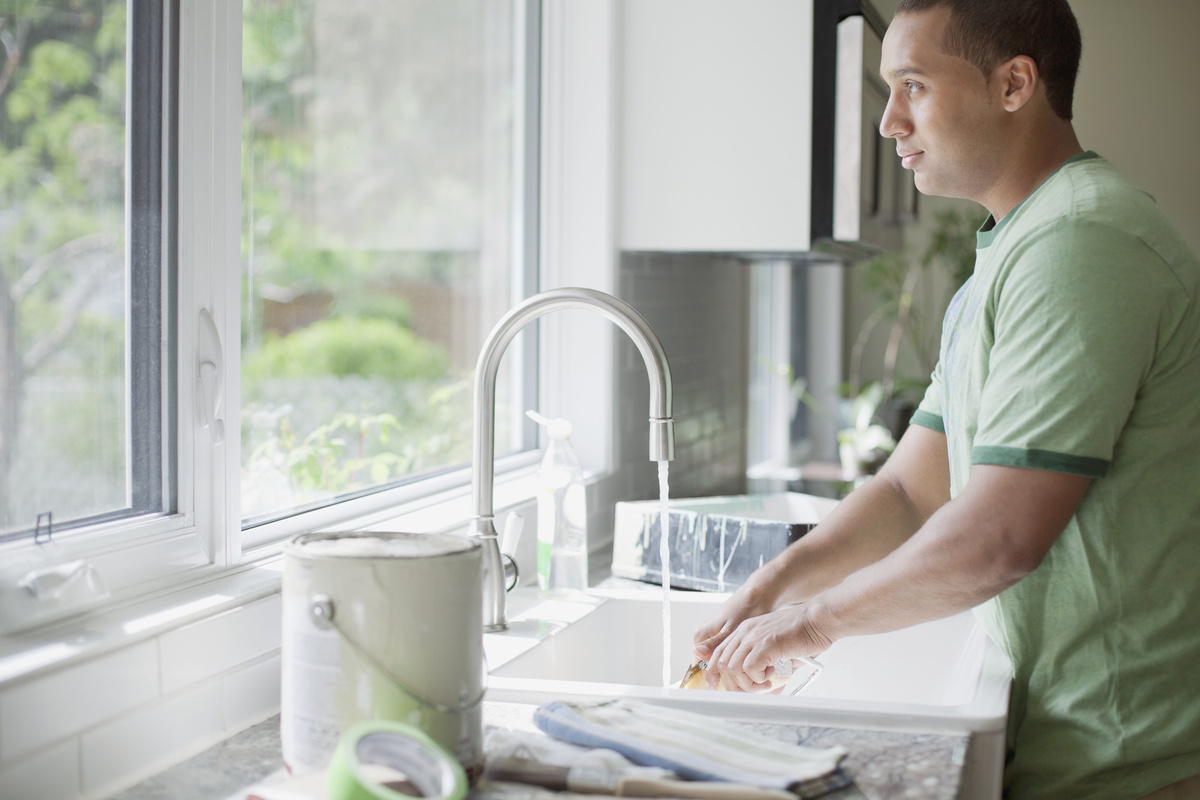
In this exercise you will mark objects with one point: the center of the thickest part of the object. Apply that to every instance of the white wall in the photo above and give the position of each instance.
(1136, 98)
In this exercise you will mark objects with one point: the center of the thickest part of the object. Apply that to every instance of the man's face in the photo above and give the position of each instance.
(947, 127)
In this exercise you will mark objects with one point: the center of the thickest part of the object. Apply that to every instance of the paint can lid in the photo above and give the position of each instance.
(373, 544)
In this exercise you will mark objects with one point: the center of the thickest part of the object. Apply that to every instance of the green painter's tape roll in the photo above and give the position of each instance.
(379, 760)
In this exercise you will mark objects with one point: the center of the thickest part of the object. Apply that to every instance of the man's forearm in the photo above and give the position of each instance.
(989, 538)
(994, 533)
(870, 523)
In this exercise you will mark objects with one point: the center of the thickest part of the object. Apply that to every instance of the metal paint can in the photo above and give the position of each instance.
(381, 626)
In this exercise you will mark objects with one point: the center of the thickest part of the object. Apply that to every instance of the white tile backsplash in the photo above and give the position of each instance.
(209, 647)
(50, 774)
(85, 731)
(65, 702)
(116, 755)
(698, 305)
(252, 694)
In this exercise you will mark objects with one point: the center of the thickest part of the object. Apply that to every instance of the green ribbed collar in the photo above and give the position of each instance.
(990, 229)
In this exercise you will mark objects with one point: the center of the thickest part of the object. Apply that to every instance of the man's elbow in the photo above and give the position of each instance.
(1017, 514)
(1014, 557)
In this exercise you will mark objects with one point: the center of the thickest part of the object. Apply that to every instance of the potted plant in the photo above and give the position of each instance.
(875, 408)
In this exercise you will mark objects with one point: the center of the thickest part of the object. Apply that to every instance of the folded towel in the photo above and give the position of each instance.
(694, 746)
(500, 745)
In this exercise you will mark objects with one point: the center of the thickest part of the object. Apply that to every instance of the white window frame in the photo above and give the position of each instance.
(144, 559)
(143, 554)
(578, 216)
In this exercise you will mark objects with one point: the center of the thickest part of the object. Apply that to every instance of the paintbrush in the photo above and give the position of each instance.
(583, 780)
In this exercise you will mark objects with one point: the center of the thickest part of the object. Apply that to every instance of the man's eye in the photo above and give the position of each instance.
(911, 87)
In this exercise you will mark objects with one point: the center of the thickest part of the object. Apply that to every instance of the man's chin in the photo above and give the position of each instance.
(929, 185)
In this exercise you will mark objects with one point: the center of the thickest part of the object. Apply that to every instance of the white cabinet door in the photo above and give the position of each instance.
(714, 142)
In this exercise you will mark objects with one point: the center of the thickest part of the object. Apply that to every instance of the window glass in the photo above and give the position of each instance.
(65, 403)
(383, 199)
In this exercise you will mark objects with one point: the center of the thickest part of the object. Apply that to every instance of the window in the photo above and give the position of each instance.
(85, 341)
(385, 155)
(388, 178)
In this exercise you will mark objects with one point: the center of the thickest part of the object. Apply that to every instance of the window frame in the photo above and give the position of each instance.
(149, 272)
(160, 538)
(266, 539)
(201, 538)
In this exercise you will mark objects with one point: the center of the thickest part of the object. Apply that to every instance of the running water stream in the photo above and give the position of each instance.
(664, 553)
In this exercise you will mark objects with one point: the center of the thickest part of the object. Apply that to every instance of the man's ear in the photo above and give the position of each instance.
(1019, 79)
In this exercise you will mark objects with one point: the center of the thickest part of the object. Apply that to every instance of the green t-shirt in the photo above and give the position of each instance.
(1075, 347)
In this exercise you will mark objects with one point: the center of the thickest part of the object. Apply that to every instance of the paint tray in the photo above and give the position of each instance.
(714, 542)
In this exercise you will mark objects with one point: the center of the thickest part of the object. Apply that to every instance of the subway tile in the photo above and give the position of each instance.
(144, 742)
(203, 649)
(68, 701)
(252, 694)
(52, 774)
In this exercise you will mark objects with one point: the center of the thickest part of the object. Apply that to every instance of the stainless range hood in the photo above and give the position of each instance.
(861, 195)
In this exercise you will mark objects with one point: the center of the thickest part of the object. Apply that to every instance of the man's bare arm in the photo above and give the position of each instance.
(868, 525)
(985, 540)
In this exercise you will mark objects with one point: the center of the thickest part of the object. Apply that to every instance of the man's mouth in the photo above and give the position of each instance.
(908, 159)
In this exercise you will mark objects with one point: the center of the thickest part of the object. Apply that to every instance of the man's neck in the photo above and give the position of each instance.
(1031, 165)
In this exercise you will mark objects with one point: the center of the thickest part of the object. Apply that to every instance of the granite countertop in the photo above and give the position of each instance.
(886, 764)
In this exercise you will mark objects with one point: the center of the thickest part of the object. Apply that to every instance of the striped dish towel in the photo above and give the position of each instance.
(694, 746)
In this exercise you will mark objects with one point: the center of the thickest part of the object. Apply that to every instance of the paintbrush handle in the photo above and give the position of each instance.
(703, 790)
(584, 780)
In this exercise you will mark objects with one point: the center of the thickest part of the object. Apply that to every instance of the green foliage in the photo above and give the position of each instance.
(413, 414)
(377, 305)
(55, 68)
(333, 457)
(350, 451)
(951, 248)
(865, 444)
(344, 346)
(62, 164)
(894, 279)
(356, 398)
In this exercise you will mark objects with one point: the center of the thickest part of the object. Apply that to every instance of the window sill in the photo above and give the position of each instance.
(94, 634)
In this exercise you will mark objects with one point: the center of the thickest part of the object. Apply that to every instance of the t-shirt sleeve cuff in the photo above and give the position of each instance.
(1040, 459)
(927, 420)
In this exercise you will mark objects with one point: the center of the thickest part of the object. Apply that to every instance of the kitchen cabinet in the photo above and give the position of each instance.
(714, 128)
(751, 127)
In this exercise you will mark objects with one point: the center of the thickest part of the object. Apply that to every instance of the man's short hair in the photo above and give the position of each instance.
(989, 32)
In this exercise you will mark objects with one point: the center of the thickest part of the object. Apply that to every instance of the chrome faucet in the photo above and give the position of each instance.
(483, 443)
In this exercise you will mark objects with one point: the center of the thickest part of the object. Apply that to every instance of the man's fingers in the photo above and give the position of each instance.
(703, 650)
(737, 663)
(706, 639)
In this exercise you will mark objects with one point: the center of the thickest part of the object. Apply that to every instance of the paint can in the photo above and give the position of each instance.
(381, 626)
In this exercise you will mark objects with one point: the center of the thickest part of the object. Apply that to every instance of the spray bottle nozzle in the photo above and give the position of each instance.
(557, 428)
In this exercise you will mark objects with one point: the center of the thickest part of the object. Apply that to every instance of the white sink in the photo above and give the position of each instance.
(944, 675)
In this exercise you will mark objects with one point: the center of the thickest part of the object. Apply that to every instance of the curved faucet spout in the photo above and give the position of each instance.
(483, 444)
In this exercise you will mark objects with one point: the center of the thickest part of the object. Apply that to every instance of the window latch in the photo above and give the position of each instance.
(210, 380)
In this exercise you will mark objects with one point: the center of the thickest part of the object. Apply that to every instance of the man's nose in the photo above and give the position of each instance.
(893, 124)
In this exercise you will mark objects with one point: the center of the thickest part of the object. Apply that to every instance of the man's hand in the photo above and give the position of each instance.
(744, 604)
(745, 659)
(864, 528)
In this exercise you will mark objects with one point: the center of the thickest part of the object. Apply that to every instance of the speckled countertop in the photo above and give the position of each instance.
(887, 765)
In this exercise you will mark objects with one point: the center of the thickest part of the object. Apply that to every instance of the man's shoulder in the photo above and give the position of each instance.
(1089, 207)
(1090, 187)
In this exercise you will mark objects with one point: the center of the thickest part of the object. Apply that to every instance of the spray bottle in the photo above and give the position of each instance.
(561, 512)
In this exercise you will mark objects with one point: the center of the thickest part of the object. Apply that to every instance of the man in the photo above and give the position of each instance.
(1049, 480)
